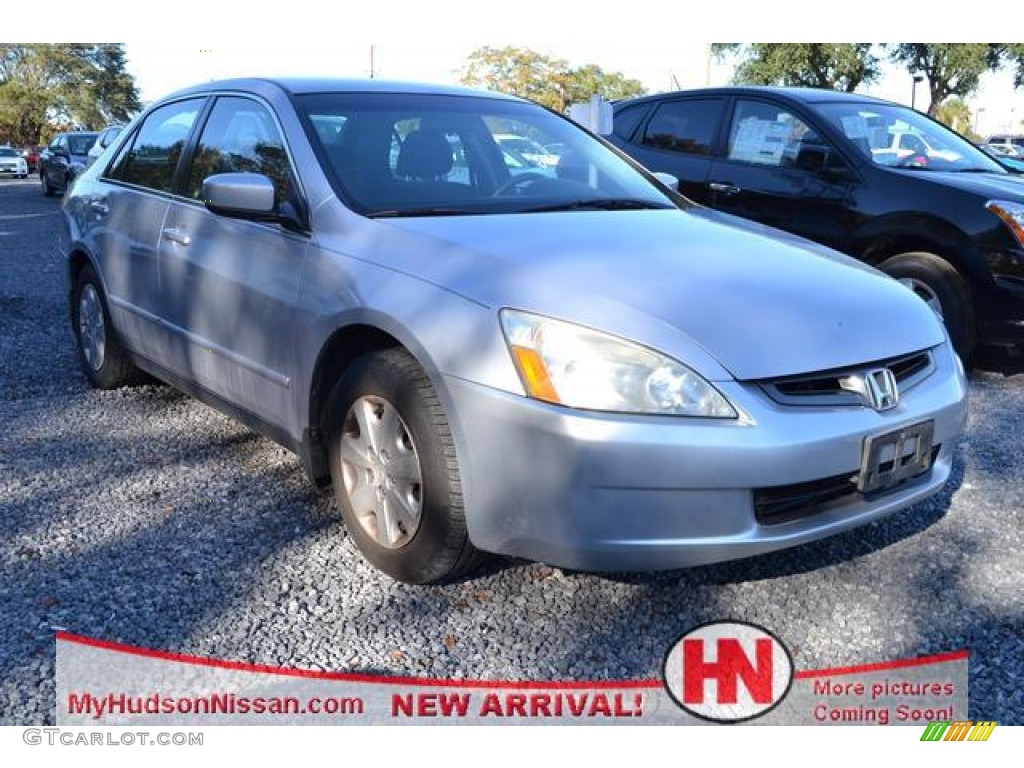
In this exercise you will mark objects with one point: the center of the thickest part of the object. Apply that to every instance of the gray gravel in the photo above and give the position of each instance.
(144, 517)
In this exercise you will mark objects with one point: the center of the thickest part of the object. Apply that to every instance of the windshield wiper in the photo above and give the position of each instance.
(599, 204)
(978, 170)
(394, 213)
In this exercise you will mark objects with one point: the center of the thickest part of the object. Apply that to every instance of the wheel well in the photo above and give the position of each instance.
(886, 247)
(76, 262)
(344, 346)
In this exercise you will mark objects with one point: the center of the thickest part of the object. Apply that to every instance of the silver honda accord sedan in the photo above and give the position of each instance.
(565, 362)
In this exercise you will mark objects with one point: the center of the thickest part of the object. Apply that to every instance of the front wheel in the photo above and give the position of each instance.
(45, 182)
(943, 288)
(394, 470)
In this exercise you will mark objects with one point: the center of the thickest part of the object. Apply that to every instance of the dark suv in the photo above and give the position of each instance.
(63, 159)
(870, 178)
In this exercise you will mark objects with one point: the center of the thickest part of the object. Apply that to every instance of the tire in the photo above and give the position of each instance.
(104, 361)
(47, 189)
(938, 282)
(394, 470)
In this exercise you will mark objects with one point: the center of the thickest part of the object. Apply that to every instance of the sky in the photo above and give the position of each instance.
(661, 43)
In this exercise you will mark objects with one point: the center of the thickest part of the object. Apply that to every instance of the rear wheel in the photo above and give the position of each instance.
(104, 361)
(943, 289)
(394, 470)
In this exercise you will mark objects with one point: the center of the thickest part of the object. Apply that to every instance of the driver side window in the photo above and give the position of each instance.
(766, 134)
(241, 137)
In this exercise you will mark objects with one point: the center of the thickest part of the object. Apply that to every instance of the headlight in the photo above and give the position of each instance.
(1012, 215)
(570, 365)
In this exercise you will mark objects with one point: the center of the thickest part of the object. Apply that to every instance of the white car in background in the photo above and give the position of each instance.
(904, 144)
(12, 163)
(526, 150)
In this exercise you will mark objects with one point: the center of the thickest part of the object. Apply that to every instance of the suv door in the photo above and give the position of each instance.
(128, 212)
(778, 170)
(678, 138)
(230, 286)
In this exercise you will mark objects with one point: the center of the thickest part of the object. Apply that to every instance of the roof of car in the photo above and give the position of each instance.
(302, 85)
(804, 95)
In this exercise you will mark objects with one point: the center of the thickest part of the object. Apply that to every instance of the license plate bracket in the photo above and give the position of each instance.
(892, 457)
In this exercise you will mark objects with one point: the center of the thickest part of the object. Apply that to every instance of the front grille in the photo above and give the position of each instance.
(828, 387)
(785, 503)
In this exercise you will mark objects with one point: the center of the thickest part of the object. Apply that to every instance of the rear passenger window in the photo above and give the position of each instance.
(684, 126)
(628, 119)
(240, 137)
(150, 159)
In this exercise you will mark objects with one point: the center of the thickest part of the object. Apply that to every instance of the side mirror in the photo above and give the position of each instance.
(239, 195)
(251, 196)
(670, 181)
(813, 158)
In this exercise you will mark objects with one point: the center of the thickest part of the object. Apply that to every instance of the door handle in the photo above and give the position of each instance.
(177, 237)
(100, 209)
(724, 189)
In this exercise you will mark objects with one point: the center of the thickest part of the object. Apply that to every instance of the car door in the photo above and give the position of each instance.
(127, 213)
(778, 170)
(678, 138)
(230, 286)
(57, 161)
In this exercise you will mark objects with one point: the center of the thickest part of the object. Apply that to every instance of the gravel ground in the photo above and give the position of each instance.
(144, 517)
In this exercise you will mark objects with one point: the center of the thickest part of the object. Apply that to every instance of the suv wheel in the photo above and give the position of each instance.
(394, 470)
(47, 189)
(943, 288)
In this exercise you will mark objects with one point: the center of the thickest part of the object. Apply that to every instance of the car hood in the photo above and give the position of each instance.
(992, 185)
(760, 302)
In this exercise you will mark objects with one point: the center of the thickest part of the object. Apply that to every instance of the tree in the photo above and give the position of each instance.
(1013, 55)
(835, 66)
(85, 85)
(544, 79)
(952, 69)
(955, 113)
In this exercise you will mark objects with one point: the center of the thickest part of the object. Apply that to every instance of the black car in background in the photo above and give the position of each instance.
(63, 159)
(875, 180)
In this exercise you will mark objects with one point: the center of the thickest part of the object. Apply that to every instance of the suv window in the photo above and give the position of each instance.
(684, 126)
(766, 134)
(628, 119)
(240, 136)
(150, 158)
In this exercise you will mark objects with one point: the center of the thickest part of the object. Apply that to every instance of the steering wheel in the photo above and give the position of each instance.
(516, 181)
(914, 160)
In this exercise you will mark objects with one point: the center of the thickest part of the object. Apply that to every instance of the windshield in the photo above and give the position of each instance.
(82, 143)
(395, 154)
(6, 152)
(900, 137)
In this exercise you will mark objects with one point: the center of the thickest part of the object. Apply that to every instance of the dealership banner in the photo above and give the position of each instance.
(722, 672)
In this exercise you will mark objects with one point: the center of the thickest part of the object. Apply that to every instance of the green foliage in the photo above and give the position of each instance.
(81, 85)
(549, 81)
(955, 113)
(951, 69)
(835, 66)
(1013, 55)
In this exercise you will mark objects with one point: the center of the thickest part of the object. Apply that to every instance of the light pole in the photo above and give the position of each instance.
(977, 120)
(913, 89)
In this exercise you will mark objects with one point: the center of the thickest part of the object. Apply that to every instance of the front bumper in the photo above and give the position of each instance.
(619, 492)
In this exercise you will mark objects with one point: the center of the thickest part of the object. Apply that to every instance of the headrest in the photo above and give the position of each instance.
(425, 155)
